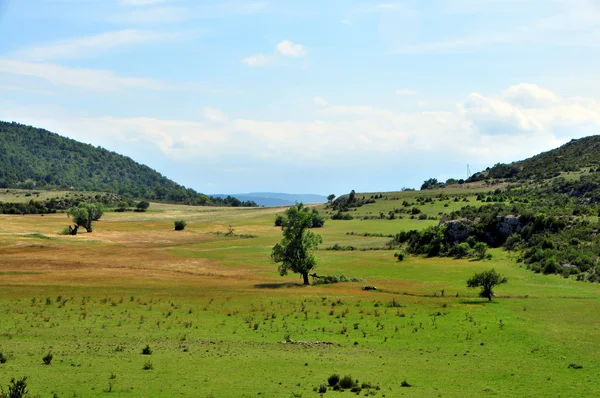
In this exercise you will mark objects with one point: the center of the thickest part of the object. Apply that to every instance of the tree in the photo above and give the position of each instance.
(83, 214)
(294, 252)
(487, 280)
(330, 198)
(142, 206)
(480, 250)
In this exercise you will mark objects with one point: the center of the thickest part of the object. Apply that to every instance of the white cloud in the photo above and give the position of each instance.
(258, 60)
(405, 91)
(483, 130)
(214, 114)
(283, 49)
(530, 95)
(320, 101)
(289, 49)
(92, 45)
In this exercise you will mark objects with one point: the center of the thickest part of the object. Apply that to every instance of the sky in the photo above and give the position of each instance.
(305, 96)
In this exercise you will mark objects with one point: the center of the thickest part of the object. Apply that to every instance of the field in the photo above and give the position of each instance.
(215, 314)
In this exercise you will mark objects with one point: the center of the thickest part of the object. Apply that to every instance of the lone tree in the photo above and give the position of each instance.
(142, 206)
(294, 252)
(487, 280)
(83, 214)
(330, 198)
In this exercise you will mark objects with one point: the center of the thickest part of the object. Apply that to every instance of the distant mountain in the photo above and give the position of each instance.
(269, 199)
(35, 158)
(574, 156)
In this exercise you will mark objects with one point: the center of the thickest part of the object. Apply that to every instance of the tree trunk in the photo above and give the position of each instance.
(305, 276)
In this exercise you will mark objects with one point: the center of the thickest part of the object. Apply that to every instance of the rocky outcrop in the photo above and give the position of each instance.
(509, 225)
(457, 230)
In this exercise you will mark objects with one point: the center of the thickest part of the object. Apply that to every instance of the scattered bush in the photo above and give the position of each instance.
(47, 359)
(180, 225)
(333, 379)
(322, 389)
(405, 384)
(147, 350)
(3, 358)
(148, 366)
(347, 382)
(16, 389)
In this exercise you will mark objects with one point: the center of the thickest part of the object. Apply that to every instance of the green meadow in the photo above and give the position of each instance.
(218, 321)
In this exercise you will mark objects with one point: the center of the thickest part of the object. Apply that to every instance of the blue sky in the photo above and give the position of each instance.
(305, 96)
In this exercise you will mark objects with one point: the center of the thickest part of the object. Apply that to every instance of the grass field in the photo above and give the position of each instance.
(215, 313)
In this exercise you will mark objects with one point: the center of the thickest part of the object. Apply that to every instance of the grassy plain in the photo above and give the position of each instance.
(215, 312)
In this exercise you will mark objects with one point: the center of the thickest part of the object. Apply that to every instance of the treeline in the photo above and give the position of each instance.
(53, 205)
(35, 158)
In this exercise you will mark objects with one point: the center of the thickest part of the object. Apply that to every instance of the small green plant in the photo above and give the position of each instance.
(148, 366)
(47, 359)
(346, 382)
(147, 350)
(180, 225)
(322, 389)
(333, 379)
(3, 358)
(16, 389)
(405, 384)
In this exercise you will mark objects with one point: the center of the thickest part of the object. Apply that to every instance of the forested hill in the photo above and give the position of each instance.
(576, 155)
(35, 158)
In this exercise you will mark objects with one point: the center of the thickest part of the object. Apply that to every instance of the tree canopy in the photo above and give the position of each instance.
(487, 280)
(83, 214)
(294, 252)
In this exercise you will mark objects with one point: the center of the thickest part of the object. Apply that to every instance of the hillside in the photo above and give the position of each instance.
(574, 156)
(35, 158)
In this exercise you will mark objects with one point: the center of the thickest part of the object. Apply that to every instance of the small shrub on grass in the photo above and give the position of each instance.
(399, 256)
(180, 225)
(575, 366)
(47, 359)
(333, 379)
(147, 350)
(16, 389)
(148, 366)
(346, 382)
(3, 358)
(405, 384)
(322, 389)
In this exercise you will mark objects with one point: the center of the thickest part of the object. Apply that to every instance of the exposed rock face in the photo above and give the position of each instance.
(509, 225)
(457, 230)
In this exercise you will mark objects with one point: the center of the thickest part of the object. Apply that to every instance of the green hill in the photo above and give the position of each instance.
(35, 158)
(575, 156)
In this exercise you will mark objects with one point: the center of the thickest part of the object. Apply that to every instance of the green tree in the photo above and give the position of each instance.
(294, 252)
(142, 206)
(83, 214)
(487, 280)
(330, 198)
(480, 250)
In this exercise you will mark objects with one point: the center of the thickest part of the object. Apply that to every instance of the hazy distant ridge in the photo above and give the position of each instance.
(278, 199)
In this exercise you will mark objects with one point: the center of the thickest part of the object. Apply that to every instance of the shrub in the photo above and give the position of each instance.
(16, 388)
(180, 225)
(333, 379)
(346, 382)
(147, 350)
(279, 221)
(47, 359)
(399, 256)
(405, 384)
(322, 389)
(148, 366)
(3, 358)
(480, 250)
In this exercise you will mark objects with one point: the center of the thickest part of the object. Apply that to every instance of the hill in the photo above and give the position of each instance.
(36, 158)
(270, 199)
(574, 156)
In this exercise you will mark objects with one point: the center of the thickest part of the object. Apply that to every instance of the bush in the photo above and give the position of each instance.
(346, 382)
(399, 256)
(405, 384)
(16, 389)
(480, 250)
(280, 221)
(3, 358)
(147, 350)
(322, 389)
(47, 359)
(148, 366)
(333, 379)
(180, 225)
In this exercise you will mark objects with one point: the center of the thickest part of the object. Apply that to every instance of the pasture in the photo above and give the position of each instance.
(216, 315)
